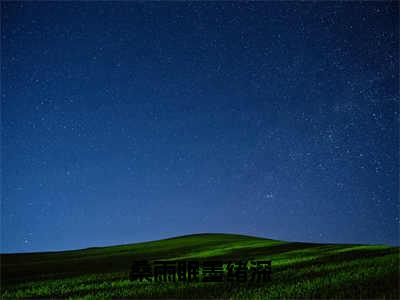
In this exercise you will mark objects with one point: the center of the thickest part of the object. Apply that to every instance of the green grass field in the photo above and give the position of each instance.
(299, 270)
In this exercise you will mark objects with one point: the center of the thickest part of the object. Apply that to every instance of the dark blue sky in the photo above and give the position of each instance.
(124, 122)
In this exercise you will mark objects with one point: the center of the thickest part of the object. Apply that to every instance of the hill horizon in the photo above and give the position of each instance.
(191, 235)
(299, 269)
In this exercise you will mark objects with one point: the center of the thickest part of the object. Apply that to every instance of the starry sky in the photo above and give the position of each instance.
(129, 121)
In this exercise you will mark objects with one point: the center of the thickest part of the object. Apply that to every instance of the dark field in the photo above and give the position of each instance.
(299, 270)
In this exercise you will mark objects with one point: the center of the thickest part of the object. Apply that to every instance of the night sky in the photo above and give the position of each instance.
(125, 122)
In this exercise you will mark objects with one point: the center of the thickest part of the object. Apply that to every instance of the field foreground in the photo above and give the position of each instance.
(299, 270)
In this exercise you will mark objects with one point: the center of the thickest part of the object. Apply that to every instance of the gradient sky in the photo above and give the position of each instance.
(125, 122)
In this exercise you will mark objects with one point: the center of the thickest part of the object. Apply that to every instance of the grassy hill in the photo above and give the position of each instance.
(299, 270)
